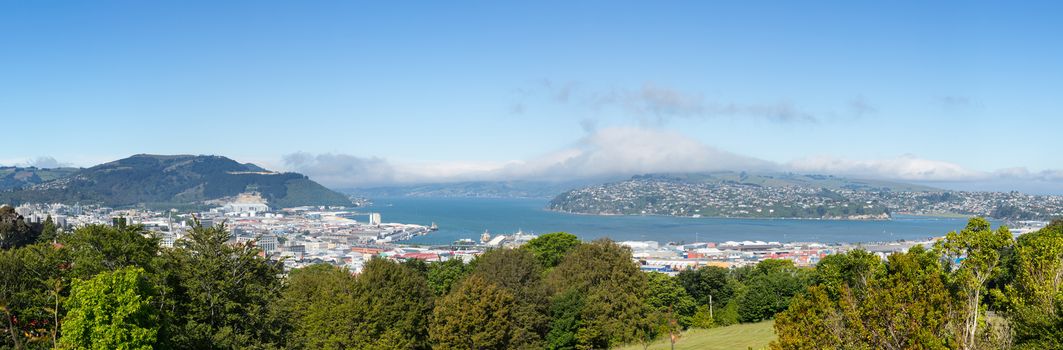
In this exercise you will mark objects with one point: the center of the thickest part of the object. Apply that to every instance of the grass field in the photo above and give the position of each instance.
(742, 336)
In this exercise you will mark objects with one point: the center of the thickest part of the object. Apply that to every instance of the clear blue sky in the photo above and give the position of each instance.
(977, 85)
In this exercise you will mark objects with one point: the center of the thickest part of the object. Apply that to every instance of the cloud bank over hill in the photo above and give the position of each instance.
(40, 162)
(625, 151)
(602, 153)
(906, 167)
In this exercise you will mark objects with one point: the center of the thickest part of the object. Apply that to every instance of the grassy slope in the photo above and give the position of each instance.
(741, 336)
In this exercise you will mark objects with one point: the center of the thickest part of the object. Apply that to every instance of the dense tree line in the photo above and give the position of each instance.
(105, 285)
(555, 292)
(113, 286)
(975, 289)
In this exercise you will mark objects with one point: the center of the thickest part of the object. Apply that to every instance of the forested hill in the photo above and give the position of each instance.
(176, 179)
(12, 177)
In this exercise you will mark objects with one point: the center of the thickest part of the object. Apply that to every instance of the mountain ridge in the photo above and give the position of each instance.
(178, 179)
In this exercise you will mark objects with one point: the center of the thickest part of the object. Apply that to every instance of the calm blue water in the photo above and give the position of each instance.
(469, 217)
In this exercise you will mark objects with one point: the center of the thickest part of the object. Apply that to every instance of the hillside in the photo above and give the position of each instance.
(742, 195)
(730, 194)
(739, 336)
(18, 177)
(178, 179)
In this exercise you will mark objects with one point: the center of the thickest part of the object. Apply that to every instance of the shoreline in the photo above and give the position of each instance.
(890, 218)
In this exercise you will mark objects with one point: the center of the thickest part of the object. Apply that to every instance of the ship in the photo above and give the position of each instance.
(434, 227)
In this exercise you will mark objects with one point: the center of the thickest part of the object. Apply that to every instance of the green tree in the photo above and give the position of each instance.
(49, 232)
(703, 317)
(14, 230)
(111, 311)
(565, 320)
(318, 301)
(812, 321)
(979, 249)
(393, 303)
(909, 306)
(476, 315)
(706, 282)
(33, 284)
(13, 284)
(417, 265)
(100, 248)
(550, 248)
(853, 269)
(614, 310)
(772, 266)
(1033, 298)
(47, 270)
(666, 296)
(518, 271)
(713, 287)
(442, 276)
(219, 294)
(769, 289)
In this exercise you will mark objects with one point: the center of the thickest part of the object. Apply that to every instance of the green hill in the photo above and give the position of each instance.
(178, 179)
(18, 177)
(739, 336)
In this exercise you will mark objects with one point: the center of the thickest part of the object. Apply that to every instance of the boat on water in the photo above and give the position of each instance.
(434, 227)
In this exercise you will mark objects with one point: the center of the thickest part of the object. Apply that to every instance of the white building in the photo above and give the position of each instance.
(268, 243)
(247, 203)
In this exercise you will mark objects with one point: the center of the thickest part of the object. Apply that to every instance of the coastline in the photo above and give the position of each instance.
(889, 218)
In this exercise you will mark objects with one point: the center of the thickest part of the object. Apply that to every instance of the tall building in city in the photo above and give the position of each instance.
(268, 243)
(374, 219)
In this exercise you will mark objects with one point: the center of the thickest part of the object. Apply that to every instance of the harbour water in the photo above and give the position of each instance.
(468, 217)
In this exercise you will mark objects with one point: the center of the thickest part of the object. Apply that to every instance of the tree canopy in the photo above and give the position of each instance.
(111, 311)
(113, 286)
(550, 248)
(975, 289)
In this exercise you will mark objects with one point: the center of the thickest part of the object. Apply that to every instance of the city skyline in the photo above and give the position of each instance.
(952, 94)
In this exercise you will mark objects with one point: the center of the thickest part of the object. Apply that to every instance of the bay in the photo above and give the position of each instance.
(460, 218)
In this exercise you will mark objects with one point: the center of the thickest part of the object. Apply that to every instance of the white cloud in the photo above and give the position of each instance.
(604, 152)
(341, 169)
(43, 162)
(662, 103)
(658, 104)
(905, 167)
(626, 151)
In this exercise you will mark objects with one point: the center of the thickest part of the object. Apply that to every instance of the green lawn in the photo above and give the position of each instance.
(741, 336)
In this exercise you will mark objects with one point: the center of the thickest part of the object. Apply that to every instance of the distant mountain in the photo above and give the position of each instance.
(17, 177)
(177, 179)
(481, 189)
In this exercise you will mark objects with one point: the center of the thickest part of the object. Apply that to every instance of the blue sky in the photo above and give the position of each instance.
(373, 93)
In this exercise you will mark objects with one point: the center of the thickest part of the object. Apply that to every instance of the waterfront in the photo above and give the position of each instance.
(468, 217)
